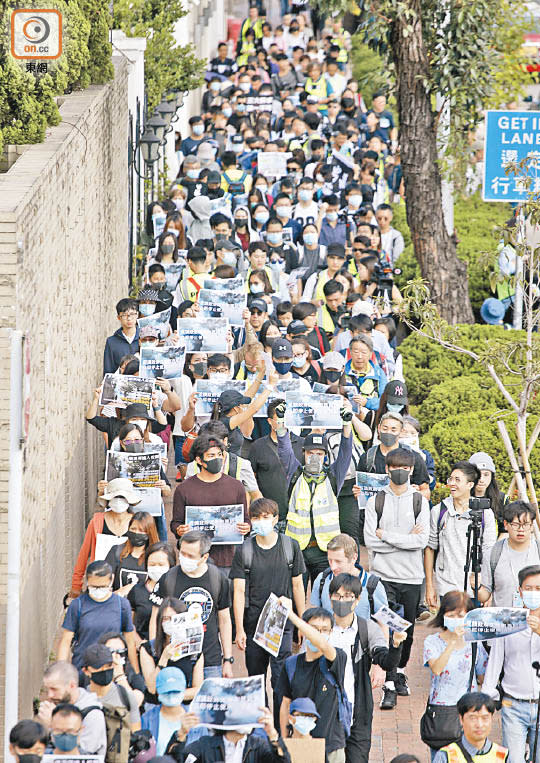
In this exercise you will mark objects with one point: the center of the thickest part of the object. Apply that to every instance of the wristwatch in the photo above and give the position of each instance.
(228, 659)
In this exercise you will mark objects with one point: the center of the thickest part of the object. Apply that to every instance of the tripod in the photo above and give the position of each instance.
(473, 563)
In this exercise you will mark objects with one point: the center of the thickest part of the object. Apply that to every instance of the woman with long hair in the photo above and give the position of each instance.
(127, 560)
(487, 486)
(175, 224)
(158, 560)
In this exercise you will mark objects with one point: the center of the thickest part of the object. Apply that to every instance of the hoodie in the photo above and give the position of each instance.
(201, 209)
(398, 555)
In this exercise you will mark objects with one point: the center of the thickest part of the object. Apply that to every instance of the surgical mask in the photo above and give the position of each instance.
(199, 368)
(304, 724)
(282, 368)
(283, 211)
(332, 376)
(399, 476)
(300, 361)
(331, 216)
(160, 285)
(137, 539)
(134, 447)
(394, 407)
(187, 564)
(314, 463)
(310, 239)
(451, 623)
(245, 87)
(274, 238)
(156, 571)
(345, 148)
(102, 677)
(311, 646)
(238, 148)
(171, 698)
(198, 129)
(167, 248)
(192, 174)
(304, 195)
(213, 465)
(29, 757)
(179, 204)
(411, 440)
(141, 423)
(262, 218)
(147, 309)
(64, 742)
(256, 288)
(99, 594)
(355, 200)
(214, 87)
(531, 599)
(262, 527)
(388, 439)
(227, 111)
(342, 608)
(118, 504)
(319, 179)
(262, 188)
(218, 376)
(241, 107)
(173, 231)
(229, 258)
(277, 266)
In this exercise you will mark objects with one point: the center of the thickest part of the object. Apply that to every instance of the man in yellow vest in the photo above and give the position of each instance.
(318, 85)
(313, 516)
(476, 715)
(330, 312)
(252, 22)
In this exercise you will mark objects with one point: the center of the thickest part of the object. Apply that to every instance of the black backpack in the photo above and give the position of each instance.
(379, 505)
(247, 558)
(372, 583)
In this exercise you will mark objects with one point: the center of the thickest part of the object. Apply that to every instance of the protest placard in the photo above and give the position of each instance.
(313, 411)
(203, 334)
(272, 163)
(150, 500)
(143, 469)
(218, 522)
(158, 320)
(370, 484)
(224, 284)
(158, 222)
(270, 625)
(308, 749)
(280, 390)
(223, 703)
(173, 272)
(387, 617)
(259, 103)
(223, 304)
(104, 543)
(494, 622)
(209, 390)
(318, 387)
(119, 389)
(187, 632)
(162, 362)
(52, 758)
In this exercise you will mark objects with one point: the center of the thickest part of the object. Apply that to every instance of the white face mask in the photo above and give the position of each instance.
(141, 423)
(187, 564)
(156, 571)
(451, 623)
(118, 504)
(218, 376)
(99, 594)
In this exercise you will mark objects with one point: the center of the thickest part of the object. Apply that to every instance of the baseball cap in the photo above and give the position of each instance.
(170, 679)
(315, 441)
(96, 656)
(231, 398)
(303, 705)
(482, 461)
(335, 250)
(282, 348)
(213, 177)
(237, 139)
(296, 328)
(259, 304)
(361, 307)
(147, 331)
(333, 360)
(396, 393)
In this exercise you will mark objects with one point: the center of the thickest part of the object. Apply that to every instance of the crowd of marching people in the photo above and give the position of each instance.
(284, 437)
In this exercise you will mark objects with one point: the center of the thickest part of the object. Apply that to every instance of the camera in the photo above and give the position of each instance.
(479, 504)
(345, 320)
(383, 276)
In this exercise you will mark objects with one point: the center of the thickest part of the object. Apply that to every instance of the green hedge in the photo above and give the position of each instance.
(476, 224)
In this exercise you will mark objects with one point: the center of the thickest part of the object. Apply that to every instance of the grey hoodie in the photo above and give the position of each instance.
(398, 555)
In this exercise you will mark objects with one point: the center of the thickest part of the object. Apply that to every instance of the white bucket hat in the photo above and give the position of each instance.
(120, 486)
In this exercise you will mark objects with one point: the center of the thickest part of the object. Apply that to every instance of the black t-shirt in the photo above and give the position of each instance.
(139, 598)
(419, 474)
(269, 573)
(210, 591)
(309, 681)
(236, 438)
(126, 570)
(111, 426)
(186, 665)
(269, 471)
(311, 375)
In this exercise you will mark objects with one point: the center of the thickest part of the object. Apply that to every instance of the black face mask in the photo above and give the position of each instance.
(399, 476)
(199, 369)
(102, 677)
(342, 608)
(137, 539)
(29, 757)
(347, 103)
(134, 447)
(165, 301)
(213, 465)
(332, 376)
(388, 439)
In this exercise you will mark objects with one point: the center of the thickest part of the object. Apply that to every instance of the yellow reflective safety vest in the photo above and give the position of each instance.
(324, 320)
(311, 500)
(318, 89)
(248, 24)
(496, 754)
(321, 281)
(191, 285)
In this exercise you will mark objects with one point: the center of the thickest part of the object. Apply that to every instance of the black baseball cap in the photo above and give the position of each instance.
(282, 348)
(97, 655)
(258, 304)
(296, 328)
(314, 442)
(231, 398)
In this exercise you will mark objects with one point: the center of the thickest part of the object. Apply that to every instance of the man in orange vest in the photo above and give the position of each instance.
(476, 715)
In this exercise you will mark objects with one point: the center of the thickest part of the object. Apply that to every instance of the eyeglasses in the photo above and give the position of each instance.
(130, 314)
(340, 597)
(519, 526)
(325, 631)
(121, 652)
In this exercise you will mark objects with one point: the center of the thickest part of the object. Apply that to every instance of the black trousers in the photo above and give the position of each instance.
(359, 741)
(408, 595)
(257, 660)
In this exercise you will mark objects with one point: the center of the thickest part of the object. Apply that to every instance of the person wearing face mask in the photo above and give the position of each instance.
(127, 559)
(260, 287)
(283, 210)
(365, 645)
(66, 724)
(394, 399)
(268, 563)
(242, 228)
(333, 230)
(306, 210)
(411, 437)
(165, 651)
(95, 612)
(234, 180)
(27, 741)
(335, 259)
(449, 658)
(282, 358)
(191, 144)
(123, 673)
(283, 257)
(303, 717)
(227, 253)
(118, 499)
(147, 301)
(158, 560)
(167, 248)
(509, 666)
(303, 364)
(396, 531)
(313, 516)
(169, 722)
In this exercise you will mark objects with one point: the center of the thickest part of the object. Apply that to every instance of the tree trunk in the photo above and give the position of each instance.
(434, 248)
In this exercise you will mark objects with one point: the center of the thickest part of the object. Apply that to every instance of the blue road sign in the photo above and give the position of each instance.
(510, 137)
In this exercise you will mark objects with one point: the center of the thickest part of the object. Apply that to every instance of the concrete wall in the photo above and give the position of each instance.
(63, 266)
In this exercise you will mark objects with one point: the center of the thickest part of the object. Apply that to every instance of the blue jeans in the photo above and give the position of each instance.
(161, 526)
(518, 727)
(213, 671)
